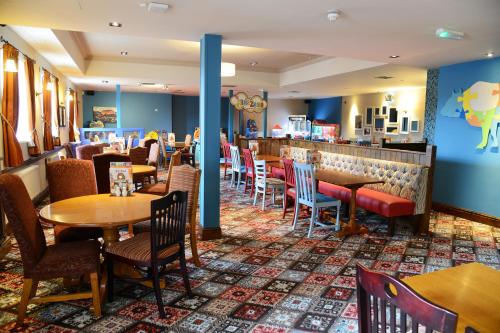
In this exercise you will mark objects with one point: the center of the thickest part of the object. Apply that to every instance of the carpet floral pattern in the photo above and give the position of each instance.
(261, 277)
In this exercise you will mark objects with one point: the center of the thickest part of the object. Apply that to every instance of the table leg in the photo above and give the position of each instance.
(352, 228)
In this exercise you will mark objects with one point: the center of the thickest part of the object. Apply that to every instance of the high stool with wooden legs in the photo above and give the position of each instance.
(42, 262)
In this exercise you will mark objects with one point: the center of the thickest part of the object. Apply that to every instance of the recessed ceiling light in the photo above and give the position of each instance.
(254, 63)
(105, 81)
(124, 53)
(115, 24)
(394, 56)
(490, 54)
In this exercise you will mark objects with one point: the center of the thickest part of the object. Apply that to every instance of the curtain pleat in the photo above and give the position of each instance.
(48, 140)
(13, 155)
(71, 119)
(30, 74)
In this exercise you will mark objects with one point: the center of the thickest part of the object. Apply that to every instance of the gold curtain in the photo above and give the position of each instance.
(71, 119)
(75, 100)
(13, 155)
(30, 74)
(48, 140)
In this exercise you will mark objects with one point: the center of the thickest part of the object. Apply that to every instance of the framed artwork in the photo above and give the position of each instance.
(61, 116)
(106, 114)
(369, 116)
(377, 112)
(384, 111)
(367, 131)
(405, 125)
(379, 124)
(392, 129)
(358, 122)
(393, 115)
(414, 126)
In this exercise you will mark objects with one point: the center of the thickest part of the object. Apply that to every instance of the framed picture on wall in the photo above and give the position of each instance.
(379, 124)
(61, 116)
(393, 115)
(358, 122)
(367, 131)
(392, 129)
(377, 112)
(405, 125)
(384, 111)
(414, 126)
(369, 116)
(106, 114)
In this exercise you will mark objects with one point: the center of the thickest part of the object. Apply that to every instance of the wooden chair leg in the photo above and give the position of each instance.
(131, 229)
(285, 204)
(184, 272)
(25, 298)
(96, 300)
(156, 286)
(194, 247)
(391, 222)
(110, 285)
(252, 186)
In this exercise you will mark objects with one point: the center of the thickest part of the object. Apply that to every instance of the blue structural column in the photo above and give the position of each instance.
(230, 118)
(210, 115)
(242, 122)
(264, 116)
(118, 107)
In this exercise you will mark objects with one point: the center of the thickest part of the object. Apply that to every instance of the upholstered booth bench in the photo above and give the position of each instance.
(403, 193)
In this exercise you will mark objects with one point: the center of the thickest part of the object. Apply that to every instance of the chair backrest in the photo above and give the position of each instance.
(130, 141)
(163, 149)
(101, 167)
(138, 155)
(148, 144)
(69, 152)
(187, 140)
(168, 222)
(260, 172)
(249, 162)
(380, 294)
(186, 178)
(226, 151)
(86, 152)
(23, 219)
(153, 154)
(235, 158)
(289, 173)
(305, 183)
(70, 178)
(175, 160)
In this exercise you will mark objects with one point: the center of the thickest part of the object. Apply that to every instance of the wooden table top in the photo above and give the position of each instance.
(268, 158)
(345, 179)
(471, 290)
(136, 169)
(99, 210)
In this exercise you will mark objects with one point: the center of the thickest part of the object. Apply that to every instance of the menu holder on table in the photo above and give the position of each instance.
(121, 179)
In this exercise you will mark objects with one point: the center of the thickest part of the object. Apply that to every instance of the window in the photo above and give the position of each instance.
(23, 133)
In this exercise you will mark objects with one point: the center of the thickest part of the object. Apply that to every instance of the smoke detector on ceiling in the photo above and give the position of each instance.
(156, 7)
(333, 15)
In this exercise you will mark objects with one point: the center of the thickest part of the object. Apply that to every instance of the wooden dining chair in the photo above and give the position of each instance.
(226, 152)
(101, 167)
(130, 142)
(86, 152)
(249, 171)
(148, 143)
(157, 248)
(263, 183)
(306, 194)
(138, 155)
(236, 167)
(64, 184)
(153, 157)
(162, 188)
(289, 185)
(382, 297)
(42, 261)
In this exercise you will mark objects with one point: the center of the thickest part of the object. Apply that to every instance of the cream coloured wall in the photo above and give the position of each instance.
(411, 101)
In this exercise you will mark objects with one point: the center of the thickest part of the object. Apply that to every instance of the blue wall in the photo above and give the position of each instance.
(328, 109)
(186, 114)
(147, 110)
(465, 176)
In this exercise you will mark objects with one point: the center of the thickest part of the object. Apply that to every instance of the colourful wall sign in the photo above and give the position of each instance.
(242, 102)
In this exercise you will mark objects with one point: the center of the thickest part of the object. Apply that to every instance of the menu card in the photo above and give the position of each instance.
(120, 179)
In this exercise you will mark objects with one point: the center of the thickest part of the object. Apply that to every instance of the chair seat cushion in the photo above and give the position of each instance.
(335, 191)
(383, 203)
(64, 234)
(138, 249)
(67, 260)
(278, 172)
(158, 189)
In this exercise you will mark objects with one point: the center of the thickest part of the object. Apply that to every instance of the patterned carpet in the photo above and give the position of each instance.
(261, 276)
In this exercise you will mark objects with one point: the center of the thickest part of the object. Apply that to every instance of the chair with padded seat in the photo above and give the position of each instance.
(85, 152)
(148, 143)
(226, 152)
(386, 302)
(249, 171)
(263, 183)
(42, 261)
(289, 184)
(306, 194)
(101, 167)
(162, 188)
(157, 248)
(71, 178)
(138, 155)
(237, 168)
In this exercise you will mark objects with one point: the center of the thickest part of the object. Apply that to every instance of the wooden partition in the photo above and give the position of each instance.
(427, 158)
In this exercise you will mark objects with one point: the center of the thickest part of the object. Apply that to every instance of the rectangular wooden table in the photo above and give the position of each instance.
(471, 290)
(352, 182)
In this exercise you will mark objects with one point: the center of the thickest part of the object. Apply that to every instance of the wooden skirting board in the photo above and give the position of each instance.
(467, 214)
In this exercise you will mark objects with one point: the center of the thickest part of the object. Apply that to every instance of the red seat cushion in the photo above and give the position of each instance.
(291, 192)
(384, 204)
(334, 191)
(278, 172)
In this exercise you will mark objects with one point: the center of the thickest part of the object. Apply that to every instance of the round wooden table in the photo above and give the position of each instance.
(100, 210)
(140, 169)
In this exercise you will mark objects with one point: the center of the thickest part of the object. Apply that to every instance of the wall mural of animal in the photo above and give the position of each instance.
(479, 105)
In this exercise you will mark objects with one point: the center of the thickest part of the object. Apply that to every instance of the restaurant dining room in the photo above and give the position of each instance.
(249, 166)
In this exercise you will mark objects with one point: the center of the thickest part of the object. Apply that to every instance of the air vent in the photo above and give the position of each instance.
(147, 84)
(294, 92)
(383, 77)
(156, 7)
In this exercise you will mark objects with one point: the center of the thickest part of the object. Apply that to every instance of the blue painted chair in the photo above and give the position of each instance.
(236, 167)
(306, 194)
